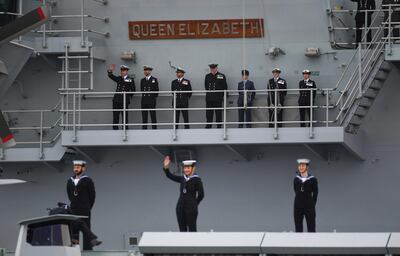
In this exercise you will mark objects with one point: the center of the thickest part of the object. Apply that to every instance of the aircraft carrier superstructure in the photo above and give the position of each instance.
(57, 100)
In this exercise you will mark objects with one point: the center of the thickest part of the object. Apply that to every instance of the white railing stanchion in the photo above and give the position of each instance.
(225, 136)
(327, 108)
(360, 70)
(311, 113)
(125, 136)
(75, 137)
(41, 153)
(174, 135)
(275, 114)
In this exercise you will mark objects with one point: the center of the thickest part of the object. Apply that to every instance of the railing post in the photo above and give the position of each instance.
(327, 108)
(83, 44)
(275, 114)
(389, 34)
(20, 14)
(225, 127)
(359, 70)
(365, 28)
(125, 136)
(91, 67)
(174, 136)
(66, 80)
(41, 153)
(44, 40)
(311, 113)
(63, 113)
(74, 138)
(244, 103)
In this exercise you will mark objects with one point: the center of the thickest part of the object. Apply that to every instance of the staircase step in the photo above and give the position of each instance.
(386, 67)
(365, 102)
(353, 129)
(361, 111)
(356, 120)
(376, 85)
(371, 94)
(379, 78)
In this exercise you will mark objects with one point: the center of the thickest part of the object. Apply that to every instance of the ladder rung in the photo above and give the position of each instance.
(73, 89)
(73, 72)
(74, 57)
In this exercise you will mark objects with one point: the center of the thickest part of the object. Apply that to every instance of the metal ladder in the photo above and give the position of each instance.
(73, 77)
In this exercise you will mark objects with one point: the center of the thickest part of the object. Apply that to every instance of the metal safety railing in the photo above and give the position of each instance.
(41, 124)
(352, 83)
(76, 123)
(373, 20)
(47, 28)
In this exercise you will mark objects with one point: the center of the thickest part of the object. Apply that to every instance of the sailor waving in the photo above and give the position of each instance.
(191, 194)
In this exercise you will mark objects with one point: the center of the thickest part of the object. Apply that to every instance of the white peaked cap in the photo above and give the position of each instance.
(303, 161)
(79, 162)
(189, 162)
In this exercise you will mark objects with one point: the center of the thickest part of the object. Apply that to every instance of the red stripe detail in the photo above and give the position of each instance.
(7, 138)
(41, 13)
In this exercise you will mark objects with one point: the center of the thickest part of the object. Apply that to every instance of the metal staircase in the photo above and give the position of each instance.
(361, 81)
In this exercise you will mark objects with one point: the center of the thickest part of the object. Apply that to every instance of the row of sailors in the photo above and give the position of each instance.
(214, 81)
(81, 193)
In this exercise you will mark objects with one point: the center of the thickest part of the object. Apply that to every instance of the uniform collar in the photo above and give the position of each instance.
(187, 178)
(79, 179)
(304, 179)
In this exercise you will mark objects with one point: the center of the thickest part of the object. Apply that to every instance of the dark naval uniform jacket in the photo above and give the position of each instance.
(147, 86)
(124, 84)
(306, 191)
(191, 191)
(182, 99)
(81, 196)
(249, 87)
(279, 84)
(215, 82)
(304, 98)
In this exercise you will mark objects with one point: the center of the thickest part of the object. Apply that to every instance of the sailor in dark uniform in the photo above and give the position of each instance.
(125, 83)
(82, 194)
(149, 84)
(362, 7)
(276, 83)
(305, 97)
(306, 190)
(182, 99)
(191, 194)
(248, 86)
(214, 81)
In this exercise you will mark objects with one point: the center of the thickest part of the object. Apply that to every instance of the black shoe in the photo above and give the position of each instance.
(95, 242)
(208, 126)
(144, 127)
